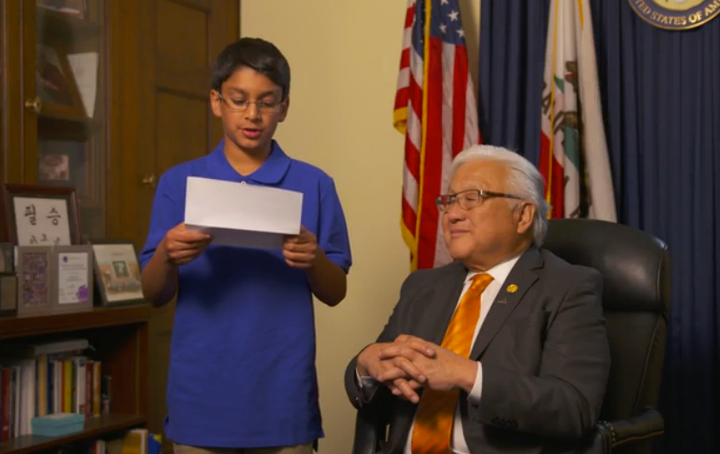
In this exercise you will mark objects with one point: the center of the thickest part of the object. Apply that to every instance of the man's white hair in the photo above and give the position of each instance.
(524, 181)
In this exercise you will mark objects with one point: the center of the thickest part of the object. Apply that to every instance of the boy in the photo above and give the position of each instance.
(242, 367)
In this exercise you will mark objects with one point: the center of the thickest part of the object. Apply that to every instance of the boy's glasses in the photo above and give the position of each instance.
(241, 105)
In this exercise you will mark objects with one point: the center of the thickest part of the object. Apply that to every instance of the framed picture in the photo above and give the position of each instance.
(72, 163)
(40, 215)
(75, 8)
(7, 258)
(118, 273)
(8, 294)
(34, 281)
(56, 85)
(72, 278)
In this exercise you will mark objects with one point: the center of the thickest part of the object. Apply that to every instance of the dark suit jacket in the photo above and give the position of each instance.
(544, 353)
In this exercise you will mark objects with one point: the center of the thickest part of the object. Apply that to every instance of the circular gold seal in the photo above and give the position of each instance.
(512, 288)
(676, 14)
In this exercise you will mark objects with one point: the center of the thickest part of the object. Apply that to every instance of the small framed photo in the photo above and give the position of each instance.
(118, 273)
(34, 287)
(72, 278)
(40, 215)
(54, 167)
(56, 85)
(72, 163)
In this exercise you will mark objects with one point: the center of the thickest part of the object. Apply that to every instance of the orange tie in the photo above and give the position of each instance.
(436, 412)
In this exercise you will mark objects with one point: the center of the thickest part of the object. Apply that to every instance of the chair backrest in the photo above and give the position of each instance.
(636, 302)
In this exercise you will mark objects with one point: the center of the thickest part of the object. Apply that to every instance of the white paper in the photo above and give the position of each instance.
(85, 69)
(41, 222)
(244, 215)
(72, 277)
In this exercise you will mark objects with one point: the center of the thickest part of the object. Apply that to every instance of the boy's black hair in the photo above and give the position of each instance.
(254, 53)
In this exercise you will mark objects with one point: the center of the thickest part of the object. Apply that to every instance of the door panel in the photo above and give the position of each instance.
(182, 33)
(178, 136)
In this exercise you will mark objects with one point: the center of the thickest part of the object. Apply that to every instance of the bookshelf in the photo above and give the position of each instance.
(104, 426)
(56, 127)
(118, 337)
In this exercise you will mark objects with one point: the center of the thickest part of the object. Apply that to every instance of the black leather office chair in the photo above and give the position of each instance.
(636, 300)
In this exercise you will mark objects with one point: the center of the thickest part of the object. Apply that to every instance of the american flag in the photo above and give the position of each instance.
(435, 109)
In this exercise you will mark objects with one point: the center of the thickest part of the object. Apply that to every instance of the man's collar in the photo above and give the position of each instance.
(500, 271)
(529, 259)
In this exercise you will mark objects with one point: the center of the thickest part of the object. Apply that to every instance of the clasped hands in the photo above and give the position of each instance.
(410, 363)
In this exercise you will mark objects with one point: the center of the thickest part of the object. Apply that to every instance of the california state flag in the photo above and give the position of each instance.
(573, 155)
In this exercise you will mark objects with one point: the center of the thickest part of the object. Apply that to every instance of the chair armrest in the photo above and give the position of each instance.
(649, 423)
(367, 426)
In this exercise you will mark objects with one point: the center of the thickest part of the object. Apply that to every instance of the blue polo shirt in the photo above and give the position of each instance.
(242, 364)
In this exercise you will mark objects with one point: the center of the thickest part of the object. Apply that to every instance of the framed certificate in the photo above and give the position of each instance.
(72, 268)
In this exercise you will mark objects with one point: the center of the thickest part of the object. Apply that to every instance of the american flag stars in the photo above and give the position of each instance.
(446, 23)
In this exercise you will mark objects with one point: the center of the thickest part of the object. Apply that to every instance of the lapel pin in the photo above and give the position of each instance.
(512, 288)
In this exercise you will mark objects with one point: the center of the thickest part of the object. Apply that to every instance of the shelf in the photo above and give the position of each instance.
(94, 427)
(59, 128)
(60, 26)
(99, 317)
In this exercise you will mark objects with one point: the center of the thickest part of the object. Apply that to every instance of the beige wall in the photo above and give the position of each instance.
(344, 57)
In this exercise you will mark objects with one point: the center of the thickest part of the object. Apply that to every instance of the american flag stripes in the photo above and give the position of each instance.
(435, 109)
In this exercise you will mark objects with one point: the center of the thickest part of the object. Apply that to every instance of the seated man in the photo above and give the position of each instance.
(505, 349)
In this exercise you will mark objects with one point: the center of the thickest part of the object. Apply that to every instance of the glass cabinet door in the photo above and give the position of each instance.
(3, 101)
(70, 103)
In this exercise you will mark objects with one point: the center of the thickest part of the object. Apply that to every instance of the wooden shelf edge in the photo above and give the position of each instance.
(94, 427)
(13, 327)
(58, 127)
(59, 21)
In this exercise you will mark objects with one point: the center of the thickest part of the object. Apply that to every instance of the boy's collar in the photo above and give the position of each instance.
(271, 172)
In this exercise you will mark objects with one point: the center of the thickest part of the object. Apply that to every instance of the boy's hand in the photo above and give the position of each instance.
(300, 250)
(183, 246)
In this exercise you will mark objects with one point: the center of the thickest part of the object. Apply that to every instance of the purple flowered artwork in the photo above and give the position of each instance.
(33, 283)
(82, 293)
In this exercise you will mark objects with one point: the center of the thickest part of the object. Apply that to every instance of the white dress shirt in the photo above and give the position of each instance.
(499, 273)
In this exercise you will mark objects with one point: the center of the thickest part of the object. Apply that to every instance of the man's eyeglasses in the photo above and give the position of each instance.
(241, 105)
(469, 199)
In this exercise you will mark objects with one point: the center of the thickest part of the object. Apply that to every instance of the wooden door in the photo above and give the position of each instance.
(164, 62)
